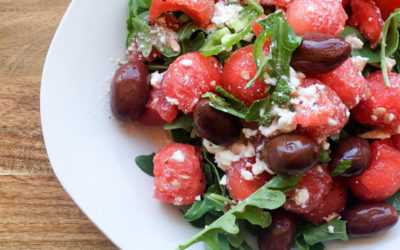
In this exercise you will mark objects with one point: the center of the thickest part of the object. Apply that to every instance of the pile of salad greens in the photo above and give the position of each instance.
(222, 220)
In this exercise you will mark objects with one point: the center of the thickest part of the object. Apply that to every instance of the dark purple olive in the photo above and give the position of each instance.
(280, 234)
(355, 149)
(320, 53)
(130, 89)
(218, 127)
(365, 219)
(290, 154)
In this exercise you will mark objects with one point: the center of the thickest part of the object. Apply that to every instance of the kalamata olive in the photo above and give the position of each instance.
(218, 127)
(369, 218)
(320, 53)
(290, 154)
(280, 234)
(130, 91)
(355, 149)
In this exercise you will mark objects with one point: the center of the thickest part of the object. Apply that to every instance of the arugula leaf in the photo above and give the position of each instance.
(200, 208)
(387, 49)
(227, 103)
(223, 39)
(394, 200)
(265, 198)
(283, 43)
(315, 234)
(194, 44)
(142, 33)
(311, 236)
(257, 6)
(212, 174)
(187, 31)
(324, 156)
(184, 122)
(366, 51)
(341, 168)
(145, 163)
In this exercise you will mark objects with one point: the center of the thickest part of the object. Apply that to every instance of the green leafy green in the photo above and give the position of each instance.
(366, 51)
(311, 236)
(209, 203)
(184, 122)
(390, 41)
(341, 168)
(269, 197)
(277, 64)
(145, 163)
(226, 103)
(394, 200)
(324, 156)
(223, 39)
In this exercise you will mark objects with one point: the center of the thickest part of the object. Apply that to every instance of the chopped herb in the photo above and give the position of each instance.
(311, 236)
(145, 163)
(341, 168)
(390, 41)
(268, 196)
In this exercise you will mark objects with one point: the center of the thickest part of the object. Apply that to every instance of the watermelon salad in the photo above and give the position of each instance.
(285, 116)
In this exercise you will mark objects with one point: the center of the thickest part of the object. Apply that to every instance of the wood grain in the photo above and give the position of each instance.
(35, 211)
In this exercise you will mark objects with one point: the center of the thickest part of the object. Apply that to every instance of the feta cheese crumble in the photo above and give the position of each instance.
(301, 197)
(331, 229)
(224, 13)
(354, 41)
(156, 79)
(178, 156)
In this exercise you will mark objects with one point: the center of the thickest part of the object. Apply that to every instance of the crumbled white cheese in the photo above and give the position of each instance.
(286, 122)
(223, 180)
(197, 198)
(211, 147)
(374, 117)
(225, 158)
(213, 83)
(325, 144)
(390, 63)
(270, 81)
(172, 101)
(245, 75)
(234, 153)
(165, 35)
(249, 132)
(178, 156)
(332, 122)
(271, 130)
(186, 62)
(389, 117)
(260, 166)
(248, 37)
(295, 78)
(156, 79)
(359, 62)
(224, 13)
(354, 41)
(331, 229)
(247, 175)
(301, 197)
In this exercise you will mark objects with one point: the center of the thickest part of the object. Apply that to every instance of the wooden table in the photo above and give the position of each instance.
(35, 211)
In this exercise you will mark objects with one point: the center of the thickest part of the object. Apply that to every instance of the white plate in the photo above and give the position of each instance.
(93, 155)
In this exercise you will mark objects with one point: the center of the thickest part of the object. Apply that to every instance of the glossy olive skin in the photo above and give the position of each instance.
(320, 53)
(218, 127)
(130, 90)
(355, 149)
(290, 154)
(280, 234)
(366, 219)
